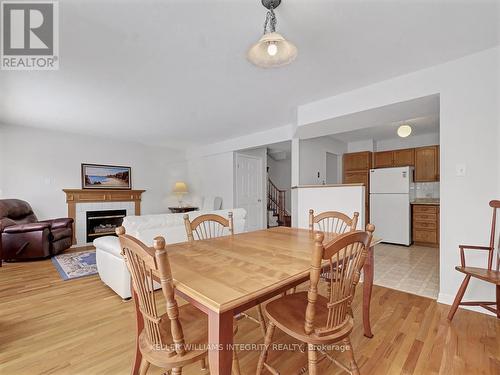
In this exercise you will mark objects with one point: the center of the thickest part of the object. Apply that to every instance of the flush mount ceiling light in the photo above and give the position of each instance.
(404, 131)
(272, 50)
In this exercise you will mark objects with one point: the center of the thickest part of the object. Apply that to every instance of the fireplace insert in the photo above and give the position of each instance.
(103, 223)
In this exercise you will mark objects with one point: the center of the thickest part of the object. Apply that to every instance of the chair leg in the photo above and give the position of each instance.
(353, 366)
(235, 370)
(262, 320)
(143, 369)
(267, 343)
(498, 301)
(458, 298)
(312, 359)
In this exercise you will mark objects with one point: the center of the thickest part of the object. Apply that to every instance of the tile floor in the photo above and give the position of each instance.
(413, 269)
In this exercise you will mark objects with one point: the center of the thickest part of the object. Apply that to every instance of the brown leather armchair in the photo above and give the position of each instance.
(24, 237)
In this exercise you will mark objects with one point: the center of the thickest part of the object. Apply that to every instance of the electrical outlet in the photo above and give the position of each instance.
(461, 170)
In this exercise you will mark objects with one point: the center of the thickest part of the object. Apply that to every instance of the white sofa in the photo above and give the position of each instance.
(110, 265)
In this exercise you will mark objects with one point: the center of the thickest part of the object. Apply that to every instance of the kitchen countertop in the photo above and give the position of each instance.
(427, 201)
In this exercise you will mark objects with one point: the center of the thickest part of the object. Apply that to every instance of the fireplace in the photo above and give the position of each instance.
(103, 223)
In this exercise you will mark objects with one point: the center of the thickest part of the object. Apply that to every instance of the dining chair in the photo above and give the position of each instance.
(212, 226)
(487, 274)
(173, 339)
(332, 222)
(316, 320)
(208, 226)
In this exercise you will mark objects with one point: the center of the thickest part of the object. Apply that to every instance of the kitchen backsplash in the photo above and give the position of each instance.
(427, 189)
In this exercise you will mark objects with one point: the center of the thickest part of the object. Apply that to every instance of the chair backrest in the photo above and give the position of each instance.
(346, 256)
(17, 210)
(143, 262)
(333, 222)
(208, 226)
(495, 204)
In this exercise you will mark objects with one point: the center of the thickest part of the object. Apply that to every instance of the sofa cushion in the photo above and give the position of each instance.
(59, 234)
(109, 244)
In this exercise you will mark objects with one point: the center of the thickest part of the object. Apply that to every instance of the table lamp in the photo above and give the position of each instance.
(180, 188)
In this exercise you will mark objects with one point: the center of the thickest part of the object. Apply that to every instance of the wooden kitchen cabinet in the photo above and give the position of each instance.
(425, 225)
(383, 159)
(403, 158)
(357, 161)
(427, 164)
(394, 158)
(356, 170)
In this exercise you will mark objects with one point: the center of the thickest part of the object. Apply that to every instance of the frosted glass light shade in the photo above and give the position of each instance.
(404, 131)
(180, 188)
(259, 54)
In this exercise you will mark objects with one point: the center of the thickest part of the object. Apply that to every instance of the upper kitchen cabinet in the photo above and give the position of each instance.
(427, 164)
(357, 161)
(403, 158)
(383, 159)
(394, 158)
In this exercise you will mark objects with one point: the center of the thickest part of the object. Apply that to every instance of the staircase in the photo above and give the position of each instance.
(277, 215)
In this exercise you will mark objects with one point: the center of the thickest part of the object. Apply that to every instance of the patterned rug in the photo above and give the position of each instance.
(75, 265)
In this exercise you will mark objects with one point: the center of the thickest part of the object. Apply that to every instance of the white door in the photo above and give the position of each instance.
(390, 180)
(249, 190)
(390, 213)
(332, 175)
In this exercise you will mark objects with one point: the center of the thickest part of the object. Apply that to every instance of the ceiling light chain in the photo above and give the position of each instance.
(270, 21)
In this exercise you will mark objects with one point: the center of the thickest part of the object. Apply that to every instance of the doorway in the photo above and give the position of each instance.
(249, 192)
(332, 168)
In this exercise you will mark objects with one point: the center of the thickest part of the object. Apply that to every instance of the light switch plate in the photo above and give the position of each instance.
(461, 170)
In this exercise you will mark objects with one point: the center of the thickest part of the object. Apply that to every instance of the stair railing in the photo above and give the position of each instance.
(276, 201)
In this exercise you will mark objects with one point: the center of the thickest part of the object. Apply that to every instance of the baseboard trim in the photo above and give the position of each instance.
(447, 299)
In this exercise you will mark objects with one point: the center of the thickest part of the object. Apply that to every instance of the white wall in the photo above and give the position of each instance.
(409, 142)
(280, 173)
(35, 165)
(469, 134)
(312, 158)
(364, 145)
(348, 199)
(210, 176)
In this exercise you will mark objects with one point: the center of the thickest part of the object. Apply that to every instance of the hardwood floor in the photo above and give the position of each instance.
(50, 326)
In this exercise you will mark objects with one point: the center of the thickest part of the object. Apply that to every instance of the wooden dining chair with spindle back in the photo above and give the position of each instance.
(209, 226)
(316, 320)
(490, 274)
(173, 339)
(332, 222)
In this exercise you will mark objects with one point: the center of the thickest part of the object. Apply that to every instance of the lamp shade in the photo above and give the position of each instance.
(272, 51)
(180, 188)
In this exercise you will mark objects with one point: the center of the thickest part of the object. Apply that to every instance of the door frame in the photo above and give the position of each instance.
(263, 189)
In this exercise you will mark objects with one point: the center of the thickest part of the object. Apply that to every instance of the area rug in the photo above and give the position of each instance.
(74, 265)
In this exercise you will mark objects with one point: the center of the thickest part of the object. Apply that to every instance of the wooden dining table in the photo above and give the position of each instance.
(227, 275)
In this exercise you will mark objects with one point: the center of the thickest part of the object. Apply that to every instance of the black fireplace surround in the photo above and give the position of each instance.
(103, 223)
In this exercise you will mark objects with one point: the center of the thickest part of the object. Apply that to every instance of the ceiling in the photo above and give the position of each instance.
(419, 125)
(174, 72)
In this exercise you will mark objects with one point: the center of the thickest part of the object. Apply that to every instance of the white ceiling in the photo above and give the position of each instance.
(419, 125)
(174, 72)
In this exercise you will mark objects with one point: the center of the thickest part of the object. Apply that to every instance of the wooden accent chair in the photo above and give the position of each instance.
(332, 222)
(316, 320)
(212, 226)
(208, 226)
(164, 338)
(487, 274)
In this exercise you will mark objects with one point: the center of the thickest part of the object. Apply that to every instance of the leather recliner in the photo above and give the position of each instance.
(23, 236)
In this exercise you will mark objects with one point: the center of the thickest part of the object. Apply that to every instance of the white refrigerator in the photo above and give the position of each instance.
(391, 191)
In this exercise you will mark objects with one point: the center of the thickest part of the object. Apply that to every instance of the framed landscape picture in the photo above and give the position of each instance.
(95, 176)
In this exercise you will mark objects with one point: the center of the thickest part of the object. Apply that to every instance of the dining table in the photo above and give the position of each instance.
(228, 275)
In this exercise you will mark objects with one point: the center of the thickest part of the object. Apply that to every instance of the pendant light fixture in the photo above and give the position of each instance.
(272, 50)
